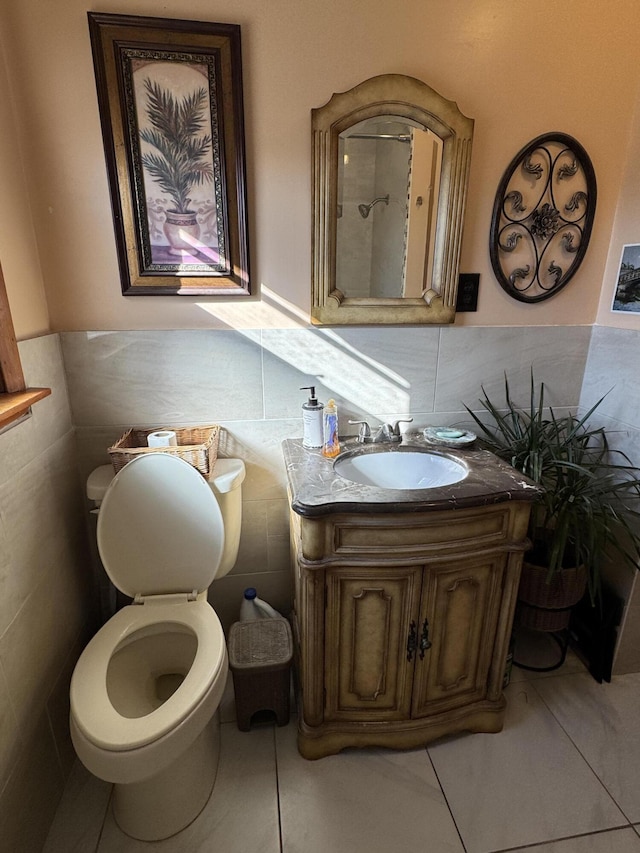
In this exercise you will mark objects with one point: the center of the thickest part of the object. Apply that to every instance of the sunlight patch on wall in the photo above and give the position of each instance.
(271, 312)
(340, 367)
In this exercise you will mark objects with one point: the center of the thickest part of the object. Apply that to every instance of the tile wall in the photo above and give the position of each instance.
(612, 372)
(249, 382)
(45, 601)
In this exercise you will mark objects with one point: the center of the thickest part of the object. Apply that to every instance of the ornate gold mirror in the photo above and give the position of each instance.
(391, 162)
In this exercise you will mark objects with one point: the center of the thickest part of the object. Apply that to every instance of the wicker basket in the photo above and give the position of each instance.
(546, 606)
(196, 445)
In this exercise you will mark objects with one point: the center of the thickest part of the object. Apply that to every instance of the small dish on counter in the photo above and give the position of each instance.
(448, 436)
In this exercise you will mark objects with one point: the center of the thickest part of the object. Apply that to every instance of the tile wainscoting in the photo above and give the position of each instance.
(611, 373)
(249, 383)
(45, 601)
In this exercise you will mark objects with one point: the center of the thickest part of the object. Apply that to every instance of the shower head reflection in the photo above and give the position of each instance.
(365, 209)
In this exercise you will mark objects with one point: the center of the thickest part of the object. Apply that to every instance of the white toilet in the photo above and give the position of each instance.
(146, 689)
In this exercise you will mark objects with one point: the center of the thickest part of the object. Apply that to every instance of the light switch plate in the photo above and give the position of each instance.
(468, 286)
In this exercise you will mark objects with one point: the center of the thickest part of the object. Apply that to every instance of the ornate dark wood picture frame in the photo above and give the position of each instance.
(171, 108)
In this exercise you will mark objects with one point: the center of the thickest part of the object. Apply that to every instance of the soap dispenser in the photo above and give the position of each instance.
(312, 429)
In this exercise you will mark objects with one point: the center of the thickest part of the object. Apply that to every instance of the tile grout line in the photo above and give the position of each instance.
(446, 800)
(436, 373)
(104, 821)
(275, 755)
(579, 751)
(262, 372)
(538, 844)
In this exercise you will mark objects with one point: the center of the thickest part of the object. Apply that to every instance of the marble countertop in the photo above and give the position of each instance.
(316, 490)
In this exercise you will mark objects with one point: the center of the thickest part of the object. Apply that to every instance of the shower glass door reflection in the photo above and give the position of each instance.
(388, 179)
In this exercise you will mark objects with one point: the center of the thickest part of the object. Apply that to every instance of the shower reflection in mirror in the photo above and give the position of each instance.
(388, 183)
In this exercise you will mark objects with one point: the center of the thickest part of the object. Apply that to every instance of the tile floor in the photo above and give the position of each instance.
(562, 777)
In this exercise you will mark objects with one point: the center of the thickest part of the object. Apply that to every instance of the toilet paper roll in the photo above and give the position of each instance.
(162, 438)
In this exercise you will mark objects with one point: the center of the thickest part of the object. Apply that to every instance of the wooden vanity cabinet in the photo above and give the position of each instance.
(402, 623)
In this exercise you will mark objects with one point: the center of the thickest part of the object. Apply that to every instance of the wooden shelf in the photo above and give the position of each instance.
(18, 403)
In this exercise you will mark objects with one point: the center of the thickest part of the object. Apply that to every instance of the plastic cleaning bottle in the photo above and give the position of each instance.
(312, 435)
(331, 445)
(253, 607)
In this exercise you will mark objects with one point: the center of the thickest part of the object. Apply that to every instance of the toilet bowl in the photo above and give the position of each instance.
(145, 691)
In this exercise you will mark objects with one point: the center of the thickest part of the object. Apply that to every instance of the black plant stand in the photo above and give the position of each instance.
(551, 622)
(561, 639)
(592, 635)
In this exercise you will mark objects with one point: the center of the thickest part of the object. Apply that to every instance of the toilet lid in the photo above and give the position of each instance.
(160, 528)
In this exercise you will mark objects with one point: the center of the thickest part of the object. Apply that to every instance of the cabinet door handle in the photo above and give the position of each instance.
(412, 641)
(425, 642)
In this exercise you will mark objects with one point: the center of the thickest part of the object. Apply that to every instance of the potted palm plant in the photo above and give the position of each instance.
(181, 161)
(588, 506)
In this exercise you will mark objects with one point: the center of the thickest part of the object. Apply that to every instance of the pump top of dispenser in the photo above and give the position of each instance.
(313, 400)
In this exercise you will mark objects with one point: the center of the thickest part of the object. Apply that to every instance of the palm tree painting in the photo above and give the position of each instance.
(171, 111)
(176, 134)
(177, 160)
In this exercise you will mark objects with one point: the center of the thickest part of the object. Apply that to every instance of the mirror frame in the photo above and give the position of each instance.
(407, 97)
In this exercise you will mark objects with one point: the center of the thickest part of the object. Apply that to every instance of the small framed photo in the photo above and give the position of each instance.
(171, 108)
(627, 295)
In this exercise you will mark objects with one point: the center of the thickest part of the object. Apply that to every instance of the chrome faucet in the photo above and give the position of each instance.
(385, 434)
(364, 433)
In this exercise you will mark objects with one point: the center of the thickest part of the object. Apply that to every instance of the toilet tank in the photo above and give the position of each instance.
(225, 481)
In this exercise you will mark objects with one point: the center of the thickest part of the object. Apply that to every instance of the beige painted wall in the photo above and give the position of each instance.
(518, 70)
(626, 229)
(18, 247)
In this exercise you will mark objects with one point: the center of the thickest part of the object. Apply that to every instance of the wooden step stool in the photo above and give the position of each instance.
(260, 654)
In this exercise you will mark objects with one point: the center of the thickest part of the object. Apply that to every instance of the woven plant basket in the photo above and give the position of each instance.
(546, 606)
(196, 445)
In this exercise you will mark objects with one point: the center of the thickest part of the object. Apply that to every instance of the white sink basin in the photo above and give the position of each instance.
(400, 469)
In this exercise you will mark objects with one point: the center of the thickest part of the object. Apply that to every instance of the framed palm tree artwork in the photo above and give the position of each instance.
(170, 102)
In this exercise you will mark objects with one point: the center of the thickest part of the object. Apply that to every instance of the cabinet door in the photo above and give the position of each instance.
(367, 625)
(459, 618)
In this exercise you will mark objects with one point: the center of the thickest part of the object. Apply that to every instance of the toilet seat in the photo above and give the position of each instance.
(91, 706)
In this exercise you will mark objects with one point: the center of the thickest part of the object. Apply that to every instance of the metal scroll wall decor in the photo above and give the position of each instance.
(542, 217)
